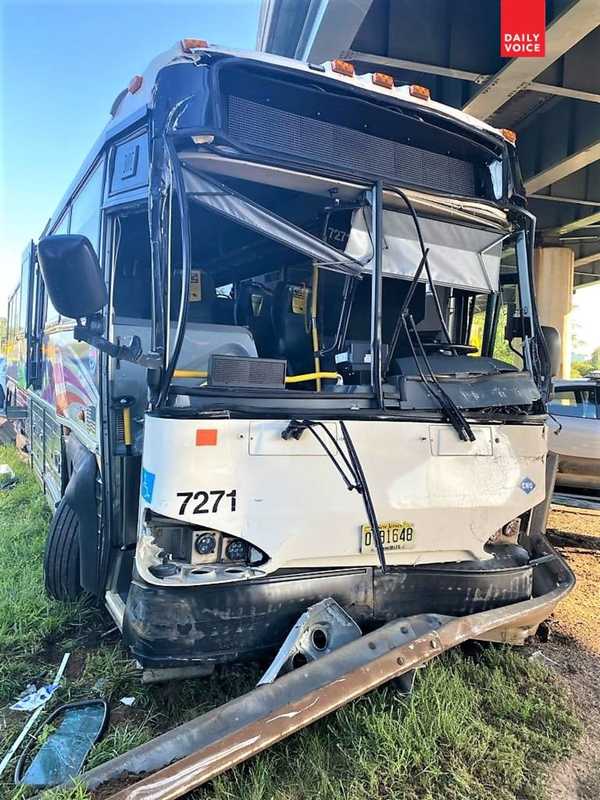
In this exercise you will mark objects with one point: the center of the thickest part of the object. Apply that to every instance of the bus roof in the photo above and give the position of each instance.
(133, 102)
(143, 96)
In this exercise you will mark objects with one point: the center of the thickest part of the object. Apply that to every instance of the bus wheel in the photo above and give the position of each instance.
(61, 559)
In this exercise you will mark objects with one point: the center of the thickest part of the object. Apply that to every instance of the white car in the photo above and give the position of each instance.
(575, 432)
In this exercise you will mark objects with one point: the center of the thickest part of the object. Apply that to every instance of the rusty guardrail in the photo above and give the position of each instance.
(192, 754)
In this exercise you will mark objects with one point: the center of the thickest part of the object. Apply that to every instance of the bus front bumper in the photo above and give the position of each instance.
(175, 627)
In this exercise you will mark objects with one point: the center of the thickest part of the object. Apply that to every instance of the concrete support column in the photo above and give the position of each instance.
(553, 277)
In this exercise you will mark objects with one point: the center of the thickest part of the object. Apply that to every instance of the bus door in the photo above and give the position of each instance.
(35, 321)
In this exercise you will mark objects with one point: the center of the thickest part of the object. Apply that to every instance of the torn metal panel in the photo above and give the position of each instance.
(321, 629)
(235, 206)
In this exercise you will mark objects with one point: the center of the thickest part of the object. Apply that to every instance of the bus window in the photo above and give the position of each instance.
(85, 211)
(132, 279)
(24, 291)
(14, 313)
(63, 227)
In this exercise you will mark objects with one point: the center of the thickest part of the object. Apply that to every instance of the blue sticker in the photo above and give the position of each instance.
(526, 484)
(147, 485)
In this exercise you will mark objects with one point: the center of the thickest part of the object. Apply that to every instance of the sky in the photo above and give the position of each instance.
(584, 320)
(61, 66)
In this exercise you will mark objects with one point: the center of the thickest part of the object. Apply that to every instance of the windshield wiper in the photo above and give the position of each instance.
(453, 413)
(350, 463)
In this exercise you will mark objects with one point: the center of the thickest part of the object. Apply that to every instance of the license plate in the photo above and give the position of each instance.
(394, 536)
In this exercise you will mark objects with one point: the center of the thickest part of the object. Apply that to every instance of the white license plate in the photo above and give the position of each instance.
(394, 536)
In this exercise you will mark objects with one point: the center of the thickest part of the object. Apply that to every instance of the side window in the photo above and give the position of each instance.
(574, 402)
(85, 211)
(24, 292)
(13, 310)
(478, 313)
(15, 316)
(510, 306)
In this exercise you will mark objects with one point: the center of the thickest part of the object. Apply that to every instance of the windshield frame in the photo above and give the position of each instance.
(377, 192)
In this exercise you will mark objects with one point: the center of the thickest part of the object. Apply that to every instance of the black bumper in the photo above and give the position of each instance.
(167, 627)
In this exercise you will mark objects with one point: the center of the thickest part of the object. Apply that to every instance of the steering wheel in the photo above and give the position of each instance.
(433, 347)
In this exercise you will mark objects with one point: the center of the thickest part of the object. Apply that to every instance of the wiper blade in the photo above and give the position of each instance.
(453, 413)
(350, 462)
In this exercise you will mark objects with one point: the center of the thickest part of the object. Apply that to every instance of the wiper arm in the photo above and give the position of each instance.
(403, 311)
(351, 463)
(434, 293)
(453, 413)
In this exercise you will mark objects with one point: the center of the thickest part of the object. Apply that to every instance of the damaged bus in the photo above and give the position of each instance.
(277, 344)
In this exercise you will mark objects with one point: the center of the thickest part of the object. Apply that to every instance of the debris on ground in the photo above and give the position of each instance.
(32, 697)
(32, 719)
(7, 477)
(127, 701)
(63, 753)
(543, 659)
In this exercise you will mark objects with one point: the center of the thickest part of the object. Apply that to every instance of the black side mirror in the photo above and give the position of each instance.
(553, 344)
(72, 275)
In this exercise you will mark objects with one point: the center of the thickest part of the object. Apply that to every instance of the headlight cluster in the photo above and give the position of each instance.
(171, 548)
(507, 534)
(213, 546)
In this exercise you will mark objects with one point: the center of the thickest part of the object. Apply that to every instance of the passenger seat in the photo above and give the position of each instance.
(291, 321)
(253, 309)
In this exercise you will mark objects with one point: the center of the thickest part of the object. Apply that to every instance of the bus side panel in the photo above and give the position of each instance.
(16, 359)
(46, 449)
(70, 379)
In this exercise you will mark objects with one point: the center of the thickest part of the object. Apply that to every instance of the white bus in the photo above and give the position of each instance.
(279, 343)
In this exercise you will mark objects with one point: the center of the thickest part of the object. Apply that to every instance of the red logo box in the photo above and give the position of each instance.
(522, 28)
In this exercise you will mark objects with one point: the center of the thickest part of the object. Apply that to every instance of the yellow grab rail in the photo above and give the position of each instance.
(309, 376)
(312, 376)
(190, 373)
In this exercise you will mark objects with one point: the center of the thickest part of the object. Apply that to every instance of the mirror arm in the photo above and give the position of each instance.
(91, 333)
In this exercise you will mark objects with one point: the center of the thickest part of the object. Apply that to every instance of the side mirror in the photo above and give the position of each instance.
(552, 339)
(72, 275)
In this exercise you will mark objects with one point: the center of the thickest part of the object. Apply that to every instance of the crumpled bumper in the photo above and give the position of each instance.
(167, 627)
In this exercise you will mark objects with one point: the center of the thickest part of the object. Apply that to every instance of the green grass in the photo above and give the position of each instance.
(29, 621)
(473, 728)
(470, 730)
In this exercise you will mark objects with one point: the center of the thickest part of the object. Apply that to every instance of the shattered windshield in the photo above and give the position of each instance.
(281, 282)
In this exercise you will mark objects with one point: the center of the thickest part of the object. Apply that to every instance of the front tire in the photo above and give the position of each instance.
(61, 557)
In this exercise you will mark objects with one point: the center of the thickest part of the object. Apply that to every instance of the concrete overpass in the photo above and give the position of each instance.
(452, 46)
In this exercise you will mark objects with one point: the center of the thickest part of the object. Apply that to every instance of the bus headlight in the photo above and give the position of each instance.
(205, 544)
(507, 534)
(237, 550)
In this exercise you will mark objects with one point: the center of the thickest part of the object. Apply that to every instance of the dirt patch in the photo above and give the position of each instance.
(577, 536)
(573, 649)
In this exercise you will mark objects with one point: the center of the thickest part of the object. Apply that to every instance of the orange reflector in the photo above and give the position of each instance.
(134, 84)
(510, 136)
(193, 44)
(343, 67)
(206, 437)
(422, 92)
(381, 79)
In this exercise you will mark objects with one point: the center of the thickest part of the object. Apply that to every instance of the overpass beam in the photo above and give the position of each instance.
(561, 35)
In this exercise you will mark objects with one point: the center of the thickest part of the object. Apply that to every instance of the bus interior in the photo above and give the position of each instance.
(257, 292)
